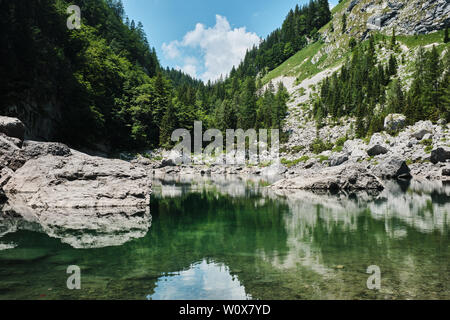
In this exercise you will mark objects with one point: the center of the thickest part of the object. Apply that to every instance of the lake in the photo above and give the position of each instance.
(231, 238)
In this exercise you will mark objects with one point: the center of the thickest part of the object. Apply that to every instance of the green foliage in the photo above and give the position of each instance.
(370, 91)
(318, 146)
(292, 163)
(344, 23)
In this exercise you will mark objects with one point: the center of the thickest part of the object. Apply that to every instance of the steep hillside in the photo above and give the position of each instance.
(412, 31)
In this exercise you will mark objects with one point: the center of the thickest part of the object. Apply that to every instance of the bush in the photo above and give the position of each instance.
(319, 146)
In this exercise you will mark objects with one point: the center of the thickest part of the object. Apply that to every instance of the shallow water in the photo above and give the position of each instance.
(235, 239)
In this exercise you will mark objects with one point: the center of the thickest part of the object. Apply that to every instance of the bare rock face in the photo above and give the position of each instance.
(394, 122)
(441, 154)
(377, 150)
(78, 181)
(10, 153)
(392, 167)
(33, 149)
(347, 178)
(12, 127)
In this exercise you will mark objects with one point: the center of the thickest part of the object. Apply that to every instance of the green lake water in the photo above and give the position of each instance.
(233, 239)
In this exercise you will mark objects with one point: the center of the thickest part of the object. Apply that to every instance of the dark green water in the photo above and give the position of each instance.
(238, 240)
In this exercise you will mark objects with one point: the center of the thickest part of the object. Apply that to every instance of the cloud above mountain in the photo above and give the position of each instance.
(219, 48)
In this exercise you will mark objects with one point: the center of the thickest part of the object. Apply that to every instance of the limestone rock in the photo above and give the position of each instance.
(79, 181)
(377, 150)
(349, 178)
(441, 154)
(394, 122)
(12, 127)
(338, 159)
(391, 168)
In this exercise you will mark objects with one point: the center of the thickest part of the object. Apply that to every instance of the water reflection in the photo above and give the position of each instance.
(238, 239)
(202, 281)
(80, 228)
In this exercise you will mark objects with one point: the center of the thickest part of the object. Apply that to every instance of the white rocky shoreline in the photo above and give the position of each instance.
(51, 175)
(421, 152)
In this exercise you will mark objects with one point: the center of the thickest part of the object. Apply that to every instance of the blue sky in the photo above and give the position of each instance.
(205, 38)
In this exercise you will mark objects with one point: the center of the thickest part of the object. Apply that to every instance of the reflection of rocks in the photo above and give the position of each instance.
(352, 177)
(80, 228)
(417, 204)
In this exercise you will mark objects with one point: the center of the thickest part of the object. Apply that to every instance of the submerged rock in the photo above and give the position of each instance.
(349, 178)
(79, 181)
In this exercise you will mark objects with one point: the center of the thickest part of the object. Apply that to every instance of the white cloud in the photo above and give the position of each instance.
(171, 50)
(189, 67)
(222, 47)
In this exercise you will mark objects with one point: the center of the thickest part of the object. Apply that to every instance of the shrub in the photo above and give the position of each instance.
(319, 146)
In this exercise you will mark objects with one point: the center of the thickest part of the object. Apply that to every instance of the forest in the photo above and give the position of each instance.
(110, 87)
(369, 90)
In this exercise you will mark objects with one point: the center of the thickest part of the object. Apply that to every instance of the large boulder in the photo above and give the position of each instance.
(342, 178)
(421, 129)
(12, 127)
(356, 149)
(13, 155)
(10, 153)
(441, 154)
(377, 150)
(338, 159)
(33, 149)
(79, 181)
(394, 122)
(392, 167)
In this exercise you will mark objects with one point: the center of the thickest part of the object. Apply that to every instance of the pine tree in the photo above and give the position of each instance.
(393, 39)
(248, 107)
(344, 23)
(168, 125)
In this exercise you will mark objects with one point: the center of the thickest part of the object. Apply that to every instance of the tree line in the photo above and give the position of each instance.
(369, 90)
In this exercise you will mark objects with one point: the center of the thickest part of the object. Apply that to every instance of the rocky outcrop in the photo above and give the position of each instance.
(12, 127)
(78, 181)
(394, 122)
(346, 178)
(393, 167)
(441, 154)
(377, 150)
(51, 175)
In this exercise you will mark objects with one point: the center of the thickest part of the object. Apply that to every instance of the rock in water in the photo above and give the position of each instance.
(441, 154)
(12, 127)
(347, 177)
(392, 167)
(79, 181)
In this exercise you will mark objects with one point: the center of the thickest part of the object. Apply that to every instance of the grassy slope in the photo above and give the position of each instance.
(300, 65)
